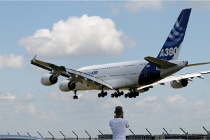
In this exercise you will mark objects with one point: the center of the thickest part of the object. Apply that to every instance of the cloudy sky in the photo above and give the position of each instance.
(76, 34)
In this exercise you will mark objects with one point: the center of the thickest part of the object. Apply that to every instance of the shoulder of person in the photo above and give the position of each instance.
(125, 120)
(111, 120)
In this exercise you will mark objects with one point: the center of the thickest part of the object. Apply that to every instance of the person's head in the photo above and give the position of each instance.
(118, 111)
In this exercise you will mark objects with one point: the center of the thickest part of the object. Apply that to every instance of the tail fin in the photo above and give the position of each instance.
(171, 48)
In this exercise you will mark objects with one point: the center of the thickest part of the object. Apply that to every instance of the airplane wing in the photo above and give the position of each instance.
(70, 73)
(187, 76)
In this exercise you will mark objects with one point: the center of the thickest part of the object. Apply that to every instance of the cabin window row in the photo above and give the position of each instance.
(115, 75)
(107, 68)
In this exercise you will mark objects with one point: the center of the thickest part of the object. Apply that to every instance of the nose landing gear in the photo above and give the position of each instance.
(75, 95)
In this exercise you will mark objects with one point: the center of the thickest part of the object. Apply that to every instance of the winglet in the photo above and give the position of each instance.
(34, 58)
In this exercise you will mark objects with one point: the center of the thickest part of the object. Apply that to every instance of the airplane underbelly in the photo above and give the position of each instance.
(80, 86)
(121, 83)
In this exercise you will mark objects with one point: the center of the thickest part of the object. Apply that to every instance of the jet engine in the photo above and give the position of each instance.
(67, 85)
(49, 79)
(179, 84)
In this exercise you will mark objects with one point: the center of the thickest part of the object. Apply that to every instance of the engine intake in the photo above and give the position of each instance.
(49, 79)
(179, 84)
(67, 85)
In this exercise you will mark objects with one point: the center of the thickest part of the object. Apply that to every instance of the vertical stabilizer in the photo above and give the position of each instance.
(172, 45)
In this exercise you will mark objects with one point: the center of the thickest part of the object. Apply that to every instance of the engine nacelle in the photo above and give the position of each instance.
(179, 84)
(67, 85)
(49, 79)
(142, 90)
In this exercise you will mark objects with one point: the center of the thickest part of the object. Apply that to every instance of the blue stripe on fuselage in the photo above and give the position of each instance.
(149, 74)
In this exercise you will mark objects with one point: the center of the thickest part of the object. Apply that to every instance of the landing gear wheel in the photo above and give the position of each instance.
(126, 95)
(115, 94)
(131, 94)
(75, 97)
(112, 95)
(136, 93)
(102, 94)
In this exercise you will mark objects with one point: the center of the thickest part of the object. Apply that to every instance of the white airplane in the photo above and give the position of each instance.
(136, 76)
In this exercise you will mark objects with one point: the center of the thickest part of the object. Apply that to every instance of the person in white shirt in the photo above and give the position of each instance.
(118, 124)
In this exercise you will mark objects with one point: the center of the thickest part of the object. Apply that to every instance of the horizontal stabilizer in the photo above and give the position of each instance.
(159, 63)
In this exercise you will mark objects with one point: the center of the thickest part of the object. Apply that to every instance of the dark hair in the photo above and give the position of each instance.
(118, 110)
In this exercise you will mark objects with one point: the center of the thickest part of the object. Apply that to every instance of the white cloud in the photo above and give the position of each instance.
(135, 6)
(149, 99)
(13, 105)
(110, 103)
(61, 96)
(204, 5)
(32, 109)
(178, 102)
(11, 61)
(78, 36)
(176, 99)
(63, 110)
(115, 9)
(199, 104)
(29, 96)
(7, 96)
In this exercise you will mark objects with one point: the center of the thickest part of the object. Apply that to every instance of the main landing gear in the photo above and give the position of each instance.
(102, 94)
(75, 95)
(117, 94)
(131, 94)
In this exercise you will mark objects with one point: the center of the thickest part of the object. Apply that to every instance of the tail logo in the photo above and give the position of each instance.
(168, 52)
(176, 35)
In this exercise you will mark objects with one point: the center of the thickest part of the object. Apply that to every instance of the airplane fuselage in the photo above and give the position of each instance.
(130, 74)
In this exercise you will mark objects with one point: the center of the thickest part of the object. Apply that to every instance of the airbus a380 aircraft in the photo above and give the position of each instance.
(136, 76)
